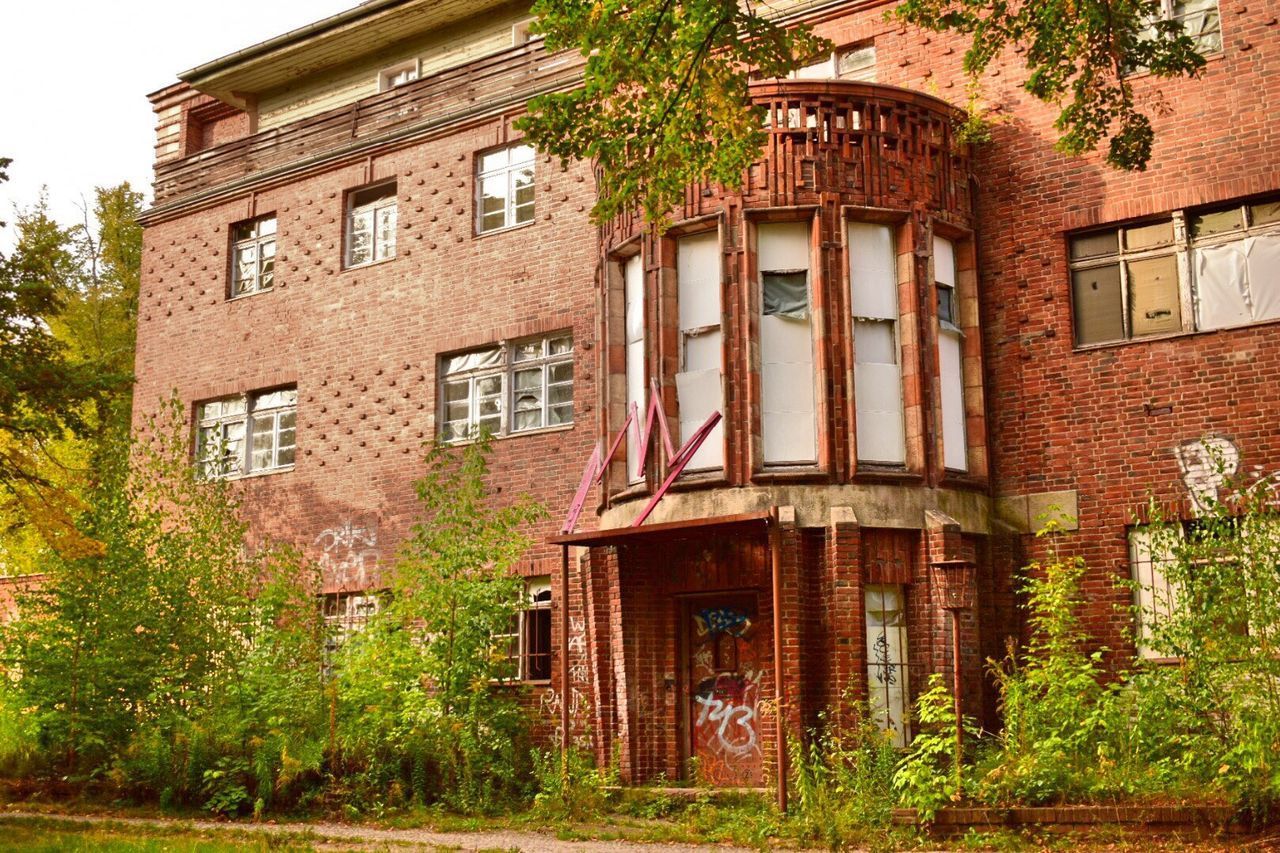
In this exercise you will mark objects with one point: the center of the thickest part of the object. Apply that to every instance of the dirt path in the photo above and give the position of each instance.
(319, 833)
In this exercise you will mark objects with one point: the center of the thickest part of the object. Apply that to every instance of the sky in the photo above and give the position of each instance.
(73, 102)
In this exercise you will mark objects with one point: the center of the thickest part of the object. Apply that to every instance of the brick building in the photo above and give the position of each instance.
(916, 350)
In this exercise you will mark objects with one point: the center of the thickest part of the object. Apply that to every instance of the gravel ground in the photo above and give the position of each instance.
(360, 836)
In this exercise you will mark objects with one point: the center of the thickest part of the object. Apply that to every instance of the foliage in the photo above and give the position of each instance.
(68, 301)
(1079, 55)
(840, 776)
(664, 97)
(1052, 697)
(581, 794)
(420, 704)
(924, 777)
(1223, 627)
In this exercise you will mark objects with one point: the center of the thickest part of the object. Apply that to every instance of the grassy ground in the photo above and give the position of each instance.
(55, 836)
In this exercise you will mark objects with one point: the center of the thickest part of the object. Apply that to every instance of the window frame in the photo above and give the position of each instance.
(386, 77)
(246, 416)
(258, 241)
(1169, 12)
(390, 200)
(510, 208)
(1182, 248)
(506, 368)
(831, 61)
(535, 598)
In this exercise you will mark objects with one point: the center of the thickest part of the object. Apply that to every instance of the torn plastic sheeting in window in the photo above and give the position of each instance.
(786, 294)
(473, 360)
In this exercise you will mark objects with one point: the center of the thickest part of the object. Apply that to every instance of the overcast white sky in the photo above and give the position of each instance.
(74, 80)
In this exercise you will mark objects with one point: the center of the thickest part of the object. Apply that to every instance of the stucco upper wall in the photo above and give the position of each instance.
(455, 45)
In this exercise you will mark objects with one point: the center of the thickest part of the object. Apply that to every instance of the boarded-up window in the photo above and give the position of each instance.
(698, 382)
(1154, 296)
(786, 344)
(877, 379)
(1126, 283)
(633, 287)
(888, 690)
(955, 451)
(1098, 302)
(1154, 598)
(1236, 263)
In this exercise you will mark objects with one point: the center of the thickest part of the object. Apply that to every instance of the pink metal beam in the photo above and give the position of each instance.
(678, 463)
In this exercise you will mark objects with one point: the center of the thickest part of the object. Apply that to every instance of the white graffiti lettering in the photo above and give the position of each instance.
(1206, 465)
(739, 740)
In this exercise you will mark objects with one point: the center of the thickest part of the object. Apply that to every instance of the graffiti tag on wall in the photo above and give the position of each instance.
(349, 555)
(1206, 465)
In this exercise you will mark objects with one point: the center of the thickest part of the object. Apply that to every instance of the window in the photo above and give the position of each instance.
(504, 184)
(1199, 18)
(786, 344)
(877, 378)
(955, 451)
(528, 646)
(1209, 268)
(248, 433)
(888, 685)
(1154, 598)
(508, 388)
(398, 75)
(633, 321)
(253, 256)
(699, 389)
(345, 614)
(855, 62)
(371, 225)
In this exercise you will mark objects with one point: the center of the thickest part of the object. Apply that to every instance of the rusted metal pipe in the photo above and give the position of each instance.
(955, 682)
(564, 670)
(779, 687)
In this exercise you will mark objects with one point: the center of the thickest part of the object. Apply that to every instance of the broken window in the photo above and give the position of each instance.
(247, 433)
(955, 451)
(888, 681)
(253, 256)
(634, 337)
(1200, 20)
(1133, 281)
(877, 379)
(532, 379)
(346, 614)
(698, 383)
(528, 645)
(788, 413)
(1153, 596)
(504, 188)
(371, 225)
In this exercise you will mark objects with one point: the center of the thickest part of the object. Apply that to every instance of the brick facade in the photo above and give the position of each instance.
(1093, 429)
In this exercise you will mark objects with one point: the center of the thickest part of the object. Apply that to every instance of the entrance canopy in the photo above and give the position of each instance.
(623, 535)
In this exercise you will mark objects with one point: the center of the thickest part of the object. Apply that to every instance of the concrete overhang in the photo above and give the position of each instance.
(372, 26)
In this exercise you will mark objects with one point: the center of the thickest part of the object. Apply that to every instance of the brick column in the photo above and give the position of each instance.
(597, 610)
(944, 542)
(843, 561)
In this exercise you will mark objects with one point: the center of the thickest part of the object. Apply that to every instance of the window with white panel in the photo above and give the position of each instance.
(699, 386)
(888, 685)
(788, 412)
(877, 380)
(955, 450)
(633, 321)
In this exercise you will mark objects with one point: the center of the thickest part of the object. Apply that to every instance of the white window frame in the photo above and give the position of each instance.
(504, 362)
(263, 244)
(1154, 598)
(399, 74)
(380, 248)
(1207, 43)
(248, 412)
(508, 173)
(1184, 248)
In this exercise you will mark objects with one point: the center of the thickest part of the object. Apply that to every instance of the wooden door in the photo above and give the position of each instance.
(726, 650)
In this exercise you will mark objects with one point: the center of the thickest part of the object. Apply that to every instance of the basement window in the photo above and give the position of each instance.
(247, 434)
(371, 225)
(507, 388)
(504, 188)
(253, 256)
(888, 681)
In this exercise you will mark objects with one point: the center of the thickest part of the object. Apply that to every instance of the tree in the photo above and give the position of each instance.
(67, 320)
(664, 98)
(1080, 54)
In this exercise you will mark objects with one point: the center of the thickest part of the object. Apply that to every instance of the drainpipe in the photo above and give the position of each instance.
(564, 670)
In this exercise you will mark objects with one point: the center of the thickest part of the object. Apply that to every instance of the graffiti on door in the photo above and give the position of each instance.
(725, 667)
